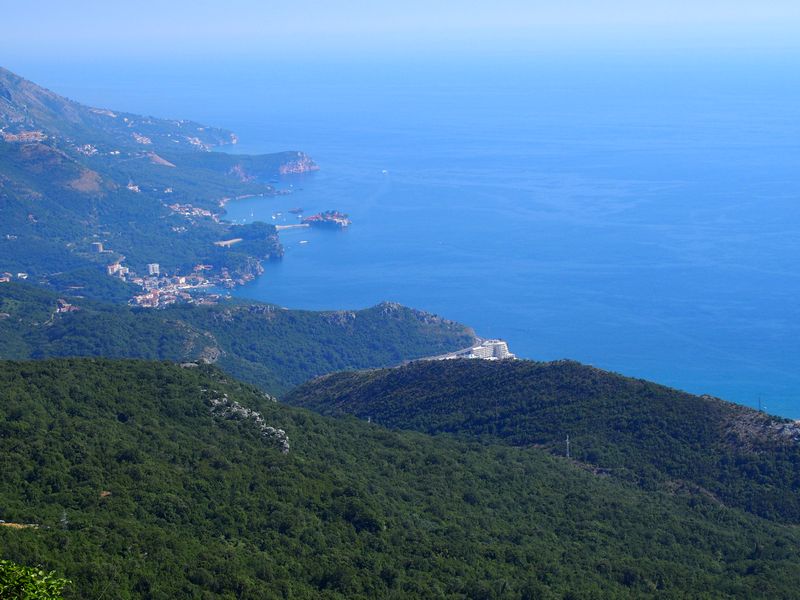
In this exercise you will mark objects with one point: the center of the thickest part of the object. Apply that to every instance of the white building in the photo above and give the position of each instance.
(490, 350)
(153, 269)
(486, 350)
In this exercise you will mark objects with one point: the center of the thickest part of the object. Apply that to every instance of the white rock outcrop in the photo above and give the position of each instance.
(224, 407)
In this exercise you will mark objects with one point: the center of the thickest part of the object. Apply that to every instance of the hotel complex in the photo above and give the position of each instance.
(485, 350)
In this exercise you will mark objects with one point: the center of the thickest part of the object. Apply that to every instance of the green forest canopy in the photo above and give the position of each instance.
(139, 488)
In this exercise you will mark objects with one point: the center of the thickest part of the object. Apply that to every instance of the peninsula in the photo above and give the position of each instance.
(90, 193)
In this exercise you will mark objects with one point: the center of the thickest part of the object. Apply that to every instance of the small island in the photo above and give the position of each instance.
(331, 219)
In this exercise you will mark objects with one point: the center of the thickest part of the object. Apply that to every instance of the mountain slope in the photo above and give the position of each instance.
(148, 480)
(259, 343)
(637, 430)
(147, 189)
(27, 109)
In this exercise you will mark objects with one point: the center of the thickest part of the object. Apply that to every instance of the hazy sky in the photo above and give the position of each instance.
(146, 28)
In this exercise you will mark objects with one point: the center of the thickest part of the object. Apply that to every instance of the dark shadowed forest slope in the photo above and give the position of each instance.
(637, 430)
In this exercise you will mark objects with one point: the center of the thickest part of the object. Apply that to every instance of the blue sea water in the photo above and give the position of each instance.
(642, 216)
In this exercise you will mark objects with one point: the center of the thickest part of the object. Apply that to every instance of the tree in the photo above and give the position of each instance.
(18, 582)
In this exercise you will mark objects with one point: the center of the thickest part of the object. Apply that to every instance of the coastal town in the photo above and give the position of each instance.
(205, 283)
(162, 289)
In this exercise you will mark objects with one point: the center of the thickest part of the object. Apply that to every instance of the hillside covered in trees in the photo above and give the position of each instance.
(259, 343)
(632, 429)
(144, 479)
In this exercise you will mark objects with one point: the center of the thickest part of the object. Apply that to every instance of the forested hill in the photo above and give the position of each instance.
(634, 429)
(147, 480)
(147, 189)
(259, 343)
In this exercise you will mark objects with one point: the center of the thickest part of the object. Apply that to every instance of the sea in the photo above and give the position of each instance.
(637, 213)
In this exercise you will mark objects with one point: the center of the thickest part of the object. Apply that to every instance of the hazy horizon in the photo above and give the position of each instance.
(87, 29)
